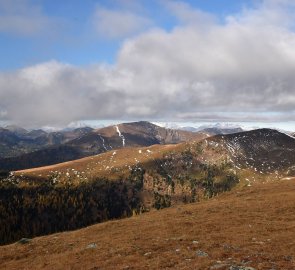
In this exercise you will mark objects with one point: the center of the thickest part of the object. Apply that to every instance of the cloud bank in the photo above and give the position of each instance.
(201, 69)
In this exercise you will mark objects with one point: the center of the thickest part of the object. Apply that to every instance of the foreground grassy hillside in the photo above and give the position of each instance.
(250, 226)
(116, 184)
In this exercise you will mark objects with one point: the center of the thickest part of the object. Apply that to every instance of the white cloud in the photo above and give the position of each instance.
(240, 70)
(116, 24)
(20, 17)
(3, 114)
(188, 15)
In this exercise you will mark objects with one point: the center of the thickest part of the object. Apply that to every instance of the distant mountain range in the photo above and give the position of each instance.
(22, 149)
(16, 141)
(215, 129)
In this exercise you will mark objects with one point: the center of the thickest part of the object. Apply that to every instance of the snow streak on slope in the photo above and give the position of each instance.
(103, 142)
(120, 135)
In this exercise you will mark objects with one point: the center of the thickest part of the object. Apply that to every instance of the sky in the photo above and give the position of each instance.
(202, 61)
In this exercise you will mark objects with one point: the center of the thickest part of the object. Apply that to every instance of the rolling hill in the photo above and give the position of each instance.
(263, 150)
(114, 184)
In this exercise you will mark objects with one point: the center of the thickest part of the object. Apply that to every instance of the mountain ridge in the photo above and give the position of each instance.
(92, 142)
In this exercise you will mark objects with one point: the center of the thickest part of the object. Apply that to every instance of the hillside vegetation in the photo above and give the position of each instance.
(116, 184)
(248, 227)
(131, 181)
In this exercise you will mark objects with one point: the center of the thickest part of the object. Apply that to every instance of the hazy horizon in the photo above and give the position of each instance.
(284, 126)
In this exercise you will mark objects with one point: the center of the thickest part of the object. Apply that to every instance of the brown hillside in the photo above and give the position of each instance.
(110, 164)
(115, 184)
(122, 182)
(146, 130)
(253, 226)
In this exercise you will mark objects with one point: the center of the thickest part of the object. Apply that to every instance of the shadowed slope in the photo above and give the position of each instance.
(263, 150)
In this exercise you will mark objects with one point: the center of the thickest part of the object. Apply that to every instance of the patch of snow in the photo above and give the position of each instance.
(249, 183)
(120, 135)
(103, 142)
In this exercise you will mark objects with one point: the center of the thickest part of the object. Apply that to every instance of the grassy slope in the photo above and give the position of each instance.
(110, 164)
(113, 164)
(254, 225)
(115, 184)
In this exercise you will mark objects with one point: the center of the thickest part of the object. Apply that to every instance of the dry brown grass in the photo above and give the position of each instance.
(117, 163)
(251, 225)
(110, 164)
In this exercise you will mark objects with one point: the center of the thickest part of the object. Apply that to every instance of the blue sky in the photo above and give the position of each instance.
(158, 60)
(75, 41)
